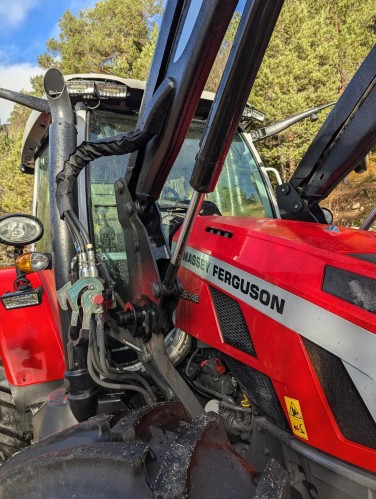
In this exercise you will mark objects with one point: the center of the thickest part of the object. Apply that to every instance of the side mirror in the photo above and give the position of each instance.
(20, 230)
(328, 215)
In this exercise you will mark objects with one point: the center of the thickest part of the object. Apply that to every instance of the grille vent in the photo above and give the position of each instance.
(353, 288)
(219, 232)
(260, 390)
(368, 257)
(352, 416)
(232, 323)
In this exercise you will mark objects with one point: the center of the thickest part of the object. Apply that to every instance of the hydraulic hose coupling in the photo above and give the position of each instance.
(92, 265)
(83, 267)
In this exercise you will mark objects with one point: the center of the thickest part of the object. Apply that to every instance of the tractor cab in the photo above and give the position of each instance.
(106, 106)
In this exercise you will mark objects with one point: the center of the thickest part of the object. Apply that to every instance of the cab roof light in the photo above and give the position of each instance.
(111, 90)
(81, 87)
(97, 89)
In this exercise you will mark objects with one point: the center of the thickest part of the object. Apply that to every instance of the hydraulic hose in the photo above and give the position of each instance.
(114, 386)
(82, 229)
(76, 235)
(88, 151)
(99, 363)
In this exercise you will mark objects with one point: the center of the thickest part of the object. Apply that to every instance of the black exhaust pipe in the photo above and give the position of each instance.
(62, 143)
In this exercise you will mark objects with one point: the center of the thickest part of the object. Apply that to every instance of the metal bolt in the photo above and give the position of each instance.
(129, 209)
(266, 452)
(137, 207)
(297, 206)
(285, 189)
(120, 186)
(155, 290)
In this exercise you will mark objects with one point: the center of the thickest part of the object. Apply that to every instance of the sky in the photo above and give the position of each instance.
(25, 27)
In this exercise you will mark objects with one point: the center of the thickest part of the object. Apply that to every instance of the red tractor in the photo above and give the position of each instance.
(173, 330)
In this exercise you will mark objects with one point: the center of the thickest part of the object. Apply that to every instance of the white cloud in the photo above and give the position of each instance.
(15, 77)
(13, 13)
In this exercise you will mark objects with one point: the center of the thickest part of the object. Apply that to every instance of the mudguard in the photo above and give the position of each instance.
(30, 339)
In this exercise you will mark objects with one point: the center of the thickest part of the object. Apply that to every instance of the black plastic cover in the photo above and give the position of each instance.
(88, 151)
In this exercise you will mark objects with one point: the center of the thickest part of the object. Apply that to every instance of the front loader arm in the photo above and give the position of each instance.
(189, 71)
(151, 163)
(155, 292)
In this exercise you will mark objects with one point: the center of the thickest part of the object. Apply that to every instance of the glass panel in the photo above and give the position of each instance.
(240, 190)
(43, 206)
(103, 173)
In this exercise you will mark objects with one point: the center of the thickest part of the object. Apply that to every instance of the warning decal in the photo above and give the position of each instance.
(296, 418)
(294, 412)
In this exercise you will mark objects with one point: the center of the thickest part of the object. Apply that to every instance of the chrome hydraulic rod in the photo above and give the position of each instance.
(368, 222)
(192, 211)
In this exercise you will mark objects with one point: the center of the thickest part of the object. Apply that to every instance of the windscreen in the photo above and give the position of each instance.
(240, 190)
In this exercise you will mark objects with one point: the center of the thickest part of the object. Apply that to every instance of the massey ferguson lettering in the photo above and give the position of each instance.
(196, 261)
(250, 289)
(218, 274)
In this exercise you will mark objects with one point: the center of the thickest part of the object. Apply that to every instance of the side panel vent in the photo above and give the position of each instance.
(353, 288)
(260, 390)
(352, 416)
(219, 232)
(232, 323)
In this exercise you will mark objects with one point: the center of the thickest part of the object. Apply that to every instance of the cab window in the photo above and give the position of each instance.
(240, 190)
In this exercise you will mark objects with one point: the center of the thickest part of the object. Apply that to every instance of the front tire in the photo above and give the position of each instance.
(14, 435)
(152, 452)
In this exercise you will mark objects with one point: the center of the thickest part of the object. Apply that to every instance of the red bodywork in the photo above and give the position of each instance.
(30, 341)
(291, 256)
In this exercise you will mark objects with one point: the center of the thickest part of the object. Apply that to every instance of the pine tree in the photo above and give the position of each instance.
(141, 66)
(107, 38)
(314, 51)
(223, 54)
(15, 187)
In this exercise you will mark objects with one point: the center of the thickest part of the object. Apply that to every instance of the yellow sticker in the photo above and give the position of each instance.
(296, 417)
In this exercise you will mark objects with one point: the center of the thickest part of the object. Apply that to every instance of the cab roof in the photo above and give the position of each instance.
(36, 129)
